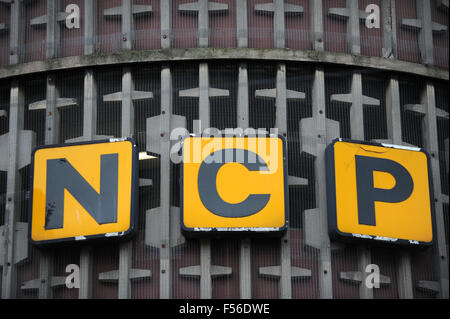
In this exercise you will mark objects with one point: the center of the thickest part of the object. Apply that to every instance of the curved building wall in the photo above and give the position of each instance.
(57, 86)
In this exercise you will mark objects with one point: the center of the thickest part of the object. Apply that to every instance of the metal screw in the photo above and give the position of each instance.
(162, 134)
(319, 40)
(163, 112)
(164, 36)
(320, 112)
(319, 136)
(163, 271)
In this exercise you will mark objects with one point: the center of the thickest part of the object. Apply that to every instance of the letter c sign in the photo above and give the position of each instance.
(233, 184)
(379, 192)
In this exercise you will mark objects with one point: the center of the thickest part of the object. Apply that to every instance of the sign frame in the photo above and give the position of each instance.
(255, 232)
(134, 207)
(333, 230)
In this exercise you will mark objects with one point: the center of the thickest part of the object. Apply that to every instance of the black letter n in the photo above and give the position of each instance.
(62, 175)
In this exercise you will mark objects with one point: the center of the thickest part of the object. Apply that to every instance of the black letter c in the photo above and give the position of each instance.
(207, 187)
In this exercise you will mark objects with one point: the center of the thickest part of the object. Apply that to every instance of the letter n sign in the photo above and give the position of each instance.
(233, 185)
(83, 191)
(379, 192)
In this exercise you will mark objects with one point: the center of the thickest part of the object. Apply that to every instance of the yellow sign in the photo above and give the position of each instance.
(234, 184)
(83, 191)
(379, 192)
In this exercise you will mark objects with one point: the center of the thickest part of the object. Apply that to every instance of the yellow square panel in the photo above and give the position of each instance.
(234, 184)
(379, 192)
(84, 190)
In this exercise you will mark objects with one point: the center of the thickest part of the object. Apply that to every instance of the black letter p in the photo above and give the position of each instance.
(368, 194)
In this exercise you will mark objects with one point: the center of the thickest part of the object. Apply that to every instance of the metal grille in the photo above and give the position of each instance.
(35, 35)
(297, 27)
(4, 36)
(407, 38)
(338, 81)
(184, 26)
(147, 34)
(335, 29)
(109, 27)
(411, 122)
(374, 85)
(4, 128)
(222, 26)
(440, 39)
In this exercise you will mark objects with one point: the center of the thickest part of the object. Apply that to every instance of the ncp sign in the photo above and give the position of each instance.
(379, 192)
(233, 184)
(84, 190)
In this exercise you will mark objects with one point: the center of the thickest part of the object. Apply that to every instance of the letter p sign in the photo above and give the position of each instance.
(379, 192)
